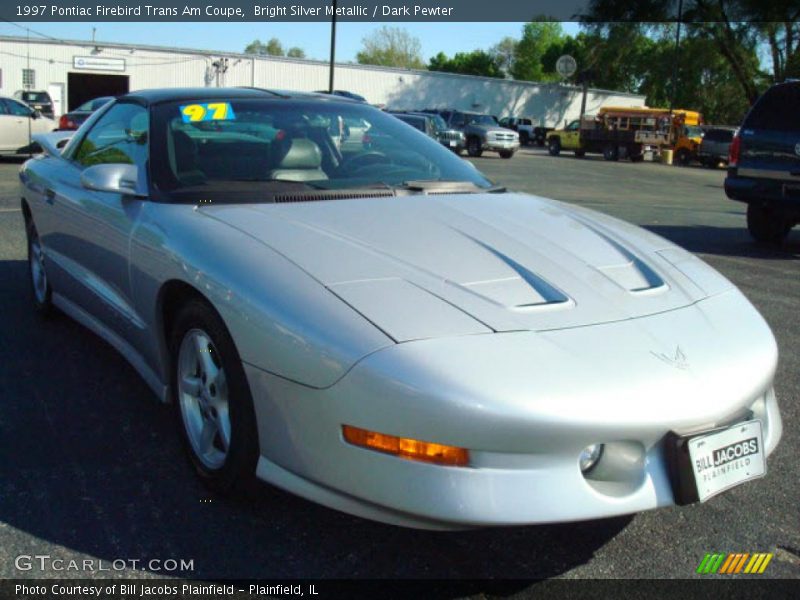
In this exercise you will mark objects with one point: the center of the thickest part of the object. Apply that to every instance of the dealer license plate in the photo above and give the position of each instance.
(724, 459)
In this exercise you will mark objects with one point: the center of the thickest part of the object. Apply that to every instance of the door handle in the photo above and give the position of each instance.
(50, 195)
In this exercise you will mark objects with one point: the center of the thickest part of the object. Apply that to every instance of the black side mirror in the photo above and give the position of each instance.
(35, 114)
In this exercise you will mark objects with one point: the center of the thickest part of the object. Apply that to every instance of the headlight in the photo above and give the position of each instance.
(589, 457)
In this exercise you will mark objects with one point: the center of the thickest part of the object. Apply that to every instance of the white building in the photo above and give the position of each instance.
(73, 72)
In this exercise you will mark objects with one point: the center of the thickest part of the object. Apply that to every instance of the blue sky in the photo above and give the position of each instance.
(314, 38)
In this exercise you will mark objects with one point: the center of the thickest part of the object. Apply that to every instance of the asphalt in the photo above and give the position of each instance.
(91, 469)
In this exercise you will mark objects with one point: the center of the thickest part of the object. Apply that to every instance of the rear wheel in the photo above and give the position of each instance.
(40, 285)
(506, 153)
(580, 153)
(554, 147)
(611, 152)
(212, 401)
(474, 147)
(524, 138)
(767, 225)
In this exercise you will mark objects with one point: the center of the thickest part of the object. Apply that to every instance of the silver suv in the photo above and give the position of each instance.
(482, 133)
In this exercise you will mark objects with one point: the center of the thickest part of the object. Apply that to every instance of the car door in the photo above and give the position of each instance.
(571, 138)
(14, 122)
(95, 226)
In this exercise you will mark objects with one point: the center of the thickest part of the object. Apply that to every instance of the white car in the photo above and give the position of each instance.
(386, 332)
(18, 123)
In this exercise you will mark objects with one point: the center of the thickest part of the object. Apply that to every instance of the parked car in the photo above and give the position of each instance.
(764, 164)
(18, 122)
(423, 123)
(528, 132)
(448, 137)
(482, 133)
(37, 100)
(715, 146)
(75, 118)
(392, 334)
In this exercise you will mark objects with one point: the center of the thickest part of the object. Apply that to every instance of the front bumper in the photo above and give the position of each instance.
(500, 145)
(525, 404)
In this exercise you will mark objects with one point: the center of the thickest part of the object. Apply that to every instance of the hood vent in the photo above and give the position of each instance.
(330, 195)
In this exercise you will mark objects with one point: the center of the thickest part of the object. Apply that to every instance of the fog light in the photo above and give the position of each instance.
(589, 457)
(406, 447)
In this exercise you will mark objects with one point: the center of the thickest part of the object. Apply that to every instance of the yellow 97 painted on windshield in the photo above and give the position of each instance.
(207, 111)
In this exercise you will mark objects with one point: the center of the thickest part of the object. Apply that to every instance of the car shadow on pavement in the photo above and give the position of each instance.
(727, 241)
(91, 468)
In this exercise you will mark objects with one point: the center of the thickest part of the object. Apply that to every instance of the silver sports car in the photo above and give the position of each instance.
(377, 327)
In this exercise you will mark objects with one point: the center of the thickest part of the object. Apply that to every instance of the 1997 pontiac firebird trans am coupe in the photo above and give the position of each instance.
(339, 305)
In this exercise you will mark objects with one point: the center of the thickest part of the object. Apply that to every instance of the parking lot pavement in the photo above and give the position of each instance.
(90, 466)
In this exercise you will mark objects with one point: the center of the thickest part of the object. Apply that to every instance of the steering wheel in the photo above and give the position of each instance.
(359, 161)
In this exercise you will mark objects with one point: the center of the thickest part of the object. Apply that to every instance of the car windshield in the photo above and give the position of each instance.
(482, 119)
(247, 150)
(438, 123)
(413, 120)
(694, 131)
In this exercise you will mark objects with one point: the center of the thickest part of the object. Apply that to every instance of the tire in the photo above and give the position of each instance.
(611, 152)
(506, 153)
(41, 292)
(210, 394)
(580, 153)
(683, 157)
(766, 225)
(524, 138)
(474, 147)
(554, 146)
(636, 158)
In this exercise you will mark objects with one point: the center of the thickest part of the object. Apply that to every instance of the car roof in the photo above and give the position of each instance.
(155, 96)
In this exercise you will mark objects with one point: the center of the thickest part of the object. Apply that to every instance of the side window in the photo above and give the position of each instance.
(459, 119)
(3, 107)
(776, 109)
(120, 136)
(17, 109)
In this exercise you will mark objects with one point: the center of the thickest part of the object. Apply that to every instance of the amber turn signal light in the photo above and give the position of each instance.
(406, 447)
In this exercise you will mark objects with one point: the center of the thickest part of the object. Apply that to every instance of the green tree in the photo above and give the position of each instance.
(537, 38)
(477, 62)
(272, 48)
(503, 53)
(391, 47)
(295, 52)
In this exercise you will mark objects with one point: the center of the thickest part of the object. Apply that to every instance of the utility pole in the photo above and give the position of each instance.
(675, 63)
(333, 48)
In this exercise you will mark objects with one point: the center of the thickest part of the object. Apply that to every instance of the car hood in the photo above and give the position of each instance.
(430, 266)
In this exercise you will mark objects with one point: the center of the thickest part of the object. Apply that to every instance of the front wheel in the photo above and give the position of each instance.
(40, 284)
(767, 225)
(506, 153)
(554, 147)
(683, 157)
(580, 153)
(212, 401)
(474, 147)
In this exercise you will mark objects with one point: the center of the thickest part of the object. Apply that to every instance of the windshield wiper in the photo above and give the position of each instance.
(444, 186)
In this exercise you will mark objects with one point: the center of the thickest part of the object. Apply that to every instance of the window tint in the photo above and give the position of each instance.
(120, 136)
(777, 110)
(17, 109)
